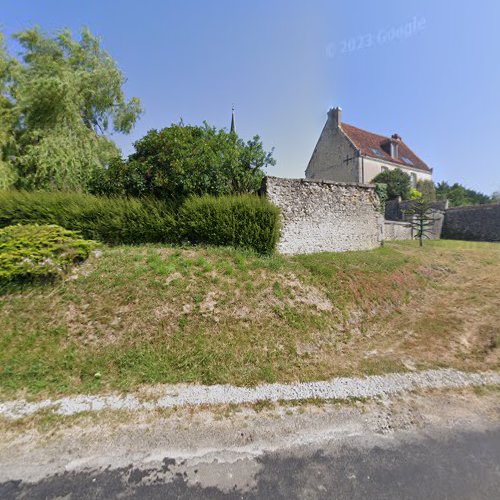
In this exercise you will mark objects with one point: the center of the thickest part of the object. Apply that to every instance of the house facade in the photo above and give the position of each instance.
(345, 153)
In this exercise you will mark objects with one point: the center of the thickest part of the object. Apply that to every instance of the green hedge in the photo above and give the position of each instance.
(241, 221)
(110, 220)
(32, 252)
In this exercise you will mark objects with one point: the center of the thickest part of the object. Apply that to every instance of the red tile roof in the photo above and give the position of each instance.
(364, 141)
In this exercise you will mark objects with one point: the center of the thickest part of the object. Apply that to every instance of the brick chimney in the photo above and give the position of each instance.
(335, 116)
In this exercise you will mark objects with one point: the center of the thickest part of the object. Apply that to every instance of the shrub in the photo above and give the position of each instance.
(32, 252)
(184, 160)
(398, 183)
(241, 221)
(110, 220)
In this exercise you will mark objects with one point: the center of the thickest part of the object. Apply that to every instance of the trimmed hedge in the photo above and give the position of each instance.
(240, 221)
(35, 253)
(110, 220)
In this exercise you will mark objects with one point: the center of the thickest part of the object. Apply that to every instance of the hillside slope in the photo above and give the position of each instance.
(152, 314)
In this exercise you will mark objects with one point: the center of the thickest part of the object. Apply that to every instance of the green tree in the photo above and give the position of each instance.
(63, 96)
(183, 160)
(428, 190)
(420, 217)
(459, 195)
(398, 183)
(7, 120)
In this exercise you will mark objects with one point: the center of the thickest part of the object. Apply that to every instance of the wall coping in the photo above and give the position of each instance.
(473, 207)
(398, 222)
(320, 181)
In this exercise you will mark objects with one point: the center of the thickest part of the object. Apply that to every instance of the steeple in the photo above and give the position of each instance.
(233, 126)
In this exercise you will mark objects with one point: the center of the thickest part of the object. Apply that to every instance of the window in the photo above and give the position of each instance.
(394, 150)
(413, 180)
(377, 152)
(407, 160)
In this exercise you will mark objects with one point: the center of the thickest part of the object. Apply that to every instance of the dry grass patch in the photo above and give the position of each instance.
(152, 314)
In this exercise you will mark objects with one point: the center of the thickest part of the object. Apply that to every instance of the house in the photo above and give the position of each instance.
(346, 153)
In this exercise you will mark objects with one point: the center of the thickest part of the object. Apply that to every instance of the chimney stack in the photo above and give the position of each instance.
(335, 116)
(395, 140)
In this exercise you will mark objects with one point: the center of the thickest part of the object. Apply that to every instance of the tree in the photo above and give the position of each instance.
(7, 173)
(459, 195)
(427, 188)
(420, 218)
(182, 160)
(63, 96)
(398, 183)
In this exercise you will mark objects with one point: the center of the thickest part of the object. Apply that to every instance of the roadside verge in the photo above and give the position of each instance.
(196, 395)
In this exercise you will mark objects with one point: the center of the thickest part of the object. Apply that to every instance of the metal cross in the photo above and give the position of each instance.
(347, 159)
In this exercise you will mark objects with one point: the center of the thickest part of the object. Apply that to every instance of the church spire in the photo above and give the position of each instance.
(233, 126)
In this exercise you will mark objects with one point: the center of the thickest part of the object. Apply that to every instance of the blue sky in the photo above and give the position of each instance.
(428, 70)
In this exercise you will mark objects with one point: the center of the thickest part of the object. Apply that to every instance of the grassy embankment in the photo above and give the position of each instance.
(151, 314)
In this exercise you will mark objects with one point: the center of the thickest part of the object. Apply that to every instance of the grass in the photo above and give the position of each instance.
(154, 314)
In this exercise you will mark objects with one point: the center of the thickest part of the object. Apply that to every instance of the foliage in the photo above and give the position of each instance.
(459, 195)
(420, 217)
(56, 104)
(415, 194)
(495, 197)
(381, 190)
(245, 221)
(180, 161)
(398, 183)
(32, 252)
(428, 189)
(110, 220)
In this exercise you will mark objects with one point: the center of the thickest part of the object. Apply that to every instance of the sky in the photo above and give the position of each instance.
(428, 70)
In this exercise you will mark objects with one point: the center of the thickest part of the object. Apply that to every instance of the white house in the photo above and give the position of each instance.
(346, 153)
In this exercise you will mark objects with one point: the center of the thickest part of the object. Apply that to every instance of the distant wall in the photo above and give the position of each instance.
(394, 209)
(395, 212)
(325, 216)
(397, 230)
(476, 223)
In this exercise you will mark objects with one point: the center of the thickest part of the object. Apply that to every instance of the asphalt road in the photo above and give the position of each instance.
(460, 465)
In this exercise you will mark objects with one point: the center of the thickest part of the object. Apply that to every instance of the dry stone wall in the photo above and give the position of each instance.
(325, 216)
(475, 223)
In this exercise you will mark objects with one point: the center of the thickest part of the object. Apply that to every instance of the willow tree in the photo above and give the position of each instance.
(63, 97)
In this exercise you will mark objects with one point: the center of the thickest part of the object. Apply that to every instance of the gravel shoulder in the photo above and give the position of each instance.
(165, 397)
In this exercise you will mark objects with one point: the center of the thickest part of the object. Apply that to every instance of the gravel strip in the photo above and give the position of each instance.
(337, 388)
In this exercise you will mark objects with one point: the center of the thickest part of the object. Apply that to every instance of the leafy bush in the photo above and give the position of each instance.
(398, 183)
(185, 160)
(33, 252)
(110, 220)
(381, 190)
(241, 221)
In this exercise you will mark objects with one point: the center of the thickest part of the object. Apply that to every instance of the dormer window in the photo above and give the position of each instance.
(394, 150)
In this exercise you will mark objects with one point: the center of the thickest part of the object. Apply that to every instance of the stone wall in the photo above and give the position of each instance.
(395, 211)
(397, 230)
(325, 216)
(476, 223)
